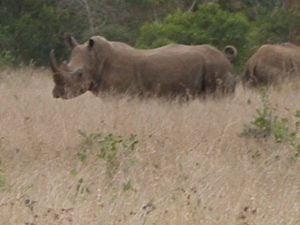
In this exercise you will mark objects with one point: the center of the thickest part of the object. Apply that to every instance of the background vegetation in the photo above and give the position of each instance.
(30, 28)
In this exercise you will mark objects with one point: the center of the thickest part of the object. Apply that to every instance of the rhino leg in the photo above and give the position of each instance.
(199, 82)
(139, 84)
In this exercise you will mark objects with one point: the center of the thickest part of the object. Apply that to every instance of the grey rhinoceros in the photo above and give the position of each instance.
(101, 65)
(271, 64)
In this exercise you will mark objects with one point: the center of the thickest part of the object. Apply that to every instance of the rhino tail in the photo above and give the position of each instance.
(231, 53)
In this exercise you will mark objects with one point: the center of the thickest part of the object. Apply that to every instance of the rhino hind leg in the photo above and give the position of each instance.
(139, 84)
(141, 89)
(291, 68)
(200, 82)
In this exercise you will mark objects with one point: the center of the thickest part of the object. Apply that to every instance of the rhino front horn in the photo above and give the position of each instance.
(53, 62)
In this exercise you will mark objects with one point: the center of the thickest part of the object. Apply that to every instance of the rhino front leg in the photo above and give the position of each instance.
(139, 83)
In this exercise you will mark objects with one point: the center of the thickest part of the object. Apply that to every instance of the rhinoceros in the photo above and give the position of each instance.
(100, 65)
(272, 64)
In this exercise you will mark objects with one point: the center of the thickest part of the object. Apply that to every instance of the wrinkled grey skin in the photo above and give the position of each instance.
(271, 64)
(172, 70)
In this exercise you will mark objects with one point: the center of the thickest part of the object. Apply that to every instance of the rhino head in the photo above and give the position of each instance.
(81, 73)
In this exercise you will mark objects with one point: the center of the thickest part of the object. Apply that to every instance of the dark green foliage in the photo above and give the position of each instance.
(208, 25)
(278, 26)
(245, 24)
(30, 28)
(118, 33)
(251, 8)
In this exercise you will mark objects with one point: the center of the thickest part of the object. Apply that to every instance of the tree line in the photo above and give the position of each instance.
(30, 28)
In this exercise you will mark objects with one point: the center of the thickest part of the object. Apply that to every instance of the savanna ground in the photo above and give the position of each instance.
(121, 160)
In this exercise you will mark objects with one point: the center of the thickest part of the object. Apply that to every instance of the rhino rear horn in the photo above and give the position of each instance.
(230, 52)
(70, 41)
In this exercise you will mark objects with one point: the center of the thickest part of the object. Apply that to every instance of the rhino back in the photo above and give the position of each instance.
(272, 63)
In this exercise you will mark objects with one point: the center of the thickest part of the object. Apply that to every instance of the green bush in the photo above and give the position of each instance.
(30, 28)
(278, 26)
(268, 124)
(208, 25)
(117, 32)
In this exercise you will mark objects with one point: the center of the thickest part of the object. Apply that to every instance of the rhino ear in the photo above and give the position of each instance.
(70, 41)
(91, 43)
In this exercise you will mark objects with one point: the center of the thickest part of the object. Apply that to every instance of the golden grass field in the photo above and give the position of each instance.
(189, 167)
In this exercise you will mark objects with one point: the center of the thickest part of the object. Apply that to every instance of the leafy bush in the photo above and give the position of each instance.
(268, 124)
(278, 26)
(208, 25)
(6, 58)
(117, 32)
(106, 147)
(262, 6)
(30, 28)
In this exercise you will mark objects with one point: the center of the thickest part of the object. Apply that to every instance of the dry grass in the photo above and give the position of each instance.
(190, 166)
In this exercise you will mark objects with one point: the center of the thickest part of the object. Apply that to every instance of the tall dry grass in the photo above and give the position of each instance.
(190, 166)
